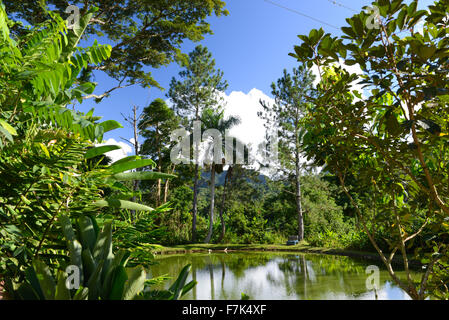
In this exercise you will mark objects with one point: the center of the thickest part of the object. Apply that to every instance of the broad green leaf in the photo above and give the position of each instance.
(110, 125)
(122, 167)
(8, 127)
(122, 204)
(103, 246)
(142, 175)
(127, 159)
(97, 151)
(87, 232)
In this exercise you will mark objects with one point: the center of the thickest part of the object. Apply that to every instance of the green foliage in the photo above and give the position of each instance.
(157, 123)
(197, 88)
(142, 33)
(103, 275)
(392, 139)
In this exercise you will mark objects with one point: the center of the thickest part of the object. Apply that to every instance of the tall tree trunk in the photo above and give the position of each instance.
(136, 151)
(298, 199)
(196, 142)
(167, 184)
(195, 203)
(223, 200)
(159, 154)
(212, 203)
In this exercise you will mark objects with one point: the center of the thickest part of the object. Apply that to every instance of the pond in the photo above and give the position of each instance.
(277, 276)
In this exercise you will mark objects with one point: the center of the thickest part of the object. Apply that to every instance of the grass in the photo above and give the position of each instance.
(301, 247)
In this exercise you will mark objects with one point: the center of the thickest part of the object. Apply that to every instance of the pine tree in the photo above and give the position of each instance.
(198, 89)
(285, 116)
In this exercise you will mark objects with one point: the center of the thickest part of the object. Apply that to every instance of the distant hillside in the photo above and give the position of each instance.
(220, 179)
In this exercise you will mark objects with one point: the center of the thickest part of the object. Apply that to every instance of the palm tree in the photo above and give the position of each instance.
(212, 119)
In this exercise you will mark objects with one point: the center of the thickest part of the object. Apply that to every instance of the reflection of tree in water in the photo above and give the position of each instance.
(245, 262)
(308, 277)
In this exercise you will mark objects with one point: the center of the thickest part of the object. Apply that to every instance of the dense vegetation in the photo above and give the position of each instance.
(381, 154)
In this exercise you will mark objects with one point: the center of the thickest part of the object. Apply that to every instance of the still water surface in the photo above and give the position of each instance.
(277, 276)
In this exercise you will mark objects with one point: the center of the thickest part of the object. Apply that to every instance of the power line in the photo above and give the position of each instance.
(301, 14)
(342, 5)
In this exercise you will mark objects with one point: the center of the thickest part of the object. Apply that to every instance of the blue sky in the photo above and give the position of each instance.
(251, 46)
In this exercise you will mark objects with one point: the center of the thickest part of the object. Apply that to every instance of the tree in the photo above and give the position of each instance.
(157, 122)
(198, 89)
(215, 120)
(142, 33)
(392, 139)
(285, 116)
(228, 177)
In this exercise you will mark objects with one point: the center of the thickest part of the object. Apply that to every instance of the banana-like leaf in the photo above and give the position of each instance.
(126, 159)
(110, 125)
(122, 204)
(142, 175)
(122, 167)
(135, 283)
(97, 151)
(103, 246)
(87, 232)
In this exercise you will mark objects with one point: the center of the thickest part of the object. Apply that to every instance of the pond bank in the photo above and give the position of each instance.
(301, 248)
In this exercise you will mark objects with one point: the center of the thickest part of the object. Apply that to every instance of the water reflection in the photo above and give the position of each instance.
(277, 276)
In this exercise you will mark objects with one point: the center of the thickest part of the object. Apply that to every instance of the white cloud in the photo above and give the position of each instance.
(246, 106)
(251, 131)
(116, 155)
